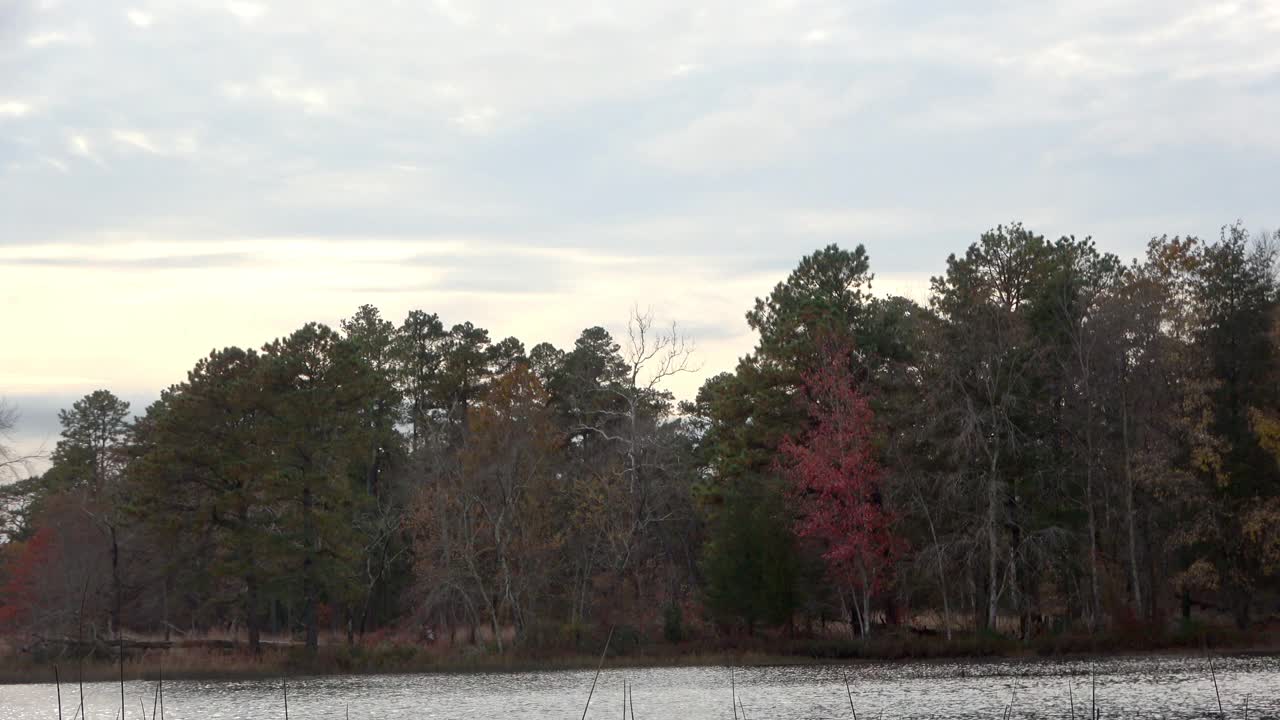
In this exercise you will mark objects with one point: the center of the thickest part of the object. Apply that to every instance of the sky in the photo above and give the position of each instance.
(181, 175)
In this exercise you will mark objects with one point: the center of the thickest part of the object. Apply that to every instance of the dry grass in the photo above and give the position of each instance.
(392, 651)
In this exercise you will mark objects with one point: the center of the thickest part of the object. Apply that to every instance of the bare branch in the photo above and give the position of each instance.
(14, 465)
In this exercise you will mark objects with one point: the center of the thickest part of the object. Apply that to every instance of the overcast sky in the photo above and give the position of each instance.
(182, 175)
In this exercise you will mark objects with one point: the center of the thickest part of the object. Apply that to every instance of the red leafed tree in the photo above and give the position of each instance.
(835, 481)
(20, 595)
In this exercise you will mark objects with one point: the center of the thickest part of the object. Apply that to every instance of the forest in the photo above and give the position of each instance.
(1058, 441)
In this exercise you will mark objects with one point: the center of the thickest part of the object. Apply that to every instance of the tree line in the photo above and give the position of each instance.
(1056, 440)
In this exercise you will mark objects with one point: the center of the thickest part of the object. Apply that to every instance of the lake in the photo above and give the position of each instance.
(1162, 687)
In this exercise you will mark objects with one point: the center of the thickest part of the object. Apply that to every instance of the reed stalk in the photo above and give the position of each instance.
(57, 681)
(597, 677)
(1071, 696)
(849, 694)
(1093, 678)
(1214, 676)
(733, 693)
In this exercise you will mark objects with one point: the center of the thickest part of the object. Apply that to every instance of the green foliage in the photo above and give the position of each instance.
(829, 292)
(673, 623)
(1067, 442)
(91, 453)
(751, 563)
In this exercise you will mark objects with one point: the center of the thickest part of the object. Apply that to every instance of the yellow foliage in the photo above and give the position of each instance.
(1267, 428)
(1201, 575)
(1261, 528)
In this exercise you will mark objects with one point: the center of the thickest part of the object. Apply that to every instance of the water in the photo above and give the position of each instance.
(1126, 687)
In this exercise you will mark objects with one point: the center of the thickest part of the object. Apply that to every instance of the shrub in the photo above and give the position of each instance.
(673, 623)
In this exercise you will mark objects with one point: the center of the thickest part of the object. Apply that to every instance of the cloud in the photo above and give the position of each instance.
(38, 400)
(268, 287)
(450, 10)
(79, 145)
(45, 39)
(13, 108)
(139, 18)
(768, 127)
(135, 139)
(478, 119)
(161, 262)
(246, 11)
(310, 99)
(242, 167)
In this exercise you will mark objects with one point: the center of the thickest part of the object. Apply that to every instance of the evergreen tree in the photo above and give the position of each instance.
(91, 452)
(204, 483)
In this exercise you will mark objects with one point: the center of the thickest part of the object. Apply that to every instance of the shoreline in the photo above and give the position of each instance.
(341, 660)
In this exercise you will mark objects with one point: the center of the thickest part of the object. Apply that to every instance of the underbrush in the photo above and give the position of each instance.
(572, 648)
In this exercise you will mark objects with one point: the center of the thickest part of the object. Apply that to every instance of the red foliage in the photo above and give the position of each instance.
(19, 595)
(835, 478)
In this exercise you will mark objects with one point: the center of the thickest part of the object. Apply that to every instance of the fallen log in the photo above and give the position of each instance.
(107, 646)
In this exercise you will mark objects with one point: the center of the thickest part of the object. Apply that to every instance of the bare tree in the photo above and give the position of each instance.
(16, 470)
(634, 426)
(487, 526)
(14, 463)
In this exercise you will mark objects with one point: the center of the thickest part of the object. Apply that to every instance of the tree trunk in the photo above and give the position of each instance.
(309, 585)
(977, 602)
(1095, 612)
(251, 613)
(1153, 598)
(993, 549)
(1016, 599)
(942, 573)
(115, 580)
(1130, 511)
(865, 610)
(1242, 611)
(164, 606)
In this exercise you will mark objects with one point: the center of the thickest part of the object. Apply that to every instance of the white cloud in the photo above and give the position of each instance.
(630, 138)
(817, 36)
(46, 39)
(186, 144)
(283, 282)
(246, 11)
(451, 11)
(13, 108)
(20, 383)
(852, 222)
(139, 18)
(478, 119)
(310, 99)
(773, 123)
(79, 145)
(135, 139)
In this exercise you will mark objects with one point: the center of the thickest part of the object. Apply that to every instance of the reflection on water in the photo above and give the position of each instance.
(1125, 687)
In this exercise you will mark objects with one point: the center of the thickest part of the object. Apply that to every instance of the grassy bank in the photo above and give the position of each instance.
(631, 650)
